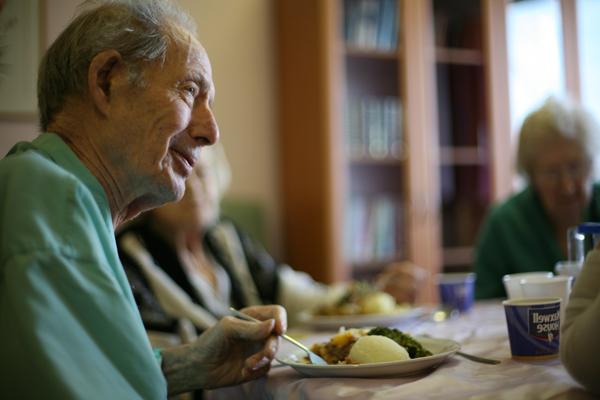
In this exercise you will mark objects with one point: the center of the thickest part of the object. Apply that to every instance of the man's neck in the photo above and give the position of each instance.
(121, 203)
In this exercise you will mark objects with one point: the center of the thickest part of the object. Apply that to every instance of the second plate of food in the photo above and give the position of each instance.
(332, 322)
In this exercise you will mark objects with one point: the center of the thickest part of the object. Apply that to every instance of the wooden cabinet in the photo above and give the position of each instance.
(465, 121)
(388, 148)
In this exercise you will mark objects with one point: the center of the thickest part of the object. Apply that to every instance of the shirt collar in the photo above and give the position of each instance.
(55, 148)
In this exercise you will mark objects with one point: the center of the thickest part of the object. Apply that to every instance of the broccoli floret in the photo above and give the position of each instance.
(414, 348)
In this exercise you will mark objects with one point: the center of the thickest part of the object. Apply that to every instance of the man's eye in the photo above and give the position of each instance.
(192, 90)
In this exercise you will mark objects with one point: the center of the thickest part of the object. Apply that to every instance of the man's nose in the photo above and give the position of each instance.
(203, 126)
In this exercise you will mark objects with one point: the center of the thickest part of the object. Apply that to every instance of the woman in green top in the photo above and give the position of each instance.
(528, 231)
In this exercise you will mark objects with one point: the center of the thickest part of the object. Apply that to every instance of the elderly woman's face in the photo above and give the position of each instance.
(199, 206)
(561, 177)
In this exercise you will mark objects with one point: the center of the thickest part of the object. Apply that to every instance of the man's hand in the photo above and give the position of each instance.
(403, 280)
(230, 352)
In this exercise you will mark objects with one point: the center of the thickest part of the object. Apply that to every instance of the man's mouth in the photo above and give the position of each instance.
(186, 158)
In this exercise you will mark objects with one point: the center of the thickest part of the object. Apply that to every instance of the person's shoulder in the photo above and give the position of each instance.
(32, 184)
(509, 214)
(515, 203)
(32, 169)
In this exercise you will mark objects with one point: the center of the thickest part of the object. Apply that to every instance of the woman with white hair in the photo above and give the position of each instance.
(186, 262)
(528, 231)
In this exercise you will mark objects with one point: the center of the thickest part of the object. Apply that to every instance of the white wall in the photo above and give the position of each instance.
(238, 36)
(54, 17)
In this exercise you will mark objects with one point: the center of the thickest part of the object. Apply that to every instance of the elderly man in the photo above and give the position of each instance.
(125, 98)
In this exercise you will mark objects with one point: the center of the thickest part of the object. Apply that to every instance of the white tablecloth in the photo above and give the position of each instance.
(482, 331)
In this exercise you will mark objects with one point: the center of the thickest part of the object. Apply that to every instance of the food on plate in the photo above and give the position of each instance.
(373, 349)
(414, 348)
(378, 303)
(361, 298)
(374, 345)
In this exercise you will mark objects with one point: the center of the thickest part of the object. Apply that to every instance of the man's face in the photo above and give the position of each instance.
(561, 177)
(161, 126)
(199, 207)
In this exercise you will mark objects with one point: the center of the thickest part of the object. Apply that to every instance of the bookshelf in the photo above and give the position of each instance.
(465, 186)
(373, 167)
(464, 120)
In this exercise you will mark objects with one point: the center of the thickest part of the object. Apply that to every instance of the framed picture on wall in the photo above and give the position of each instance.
(20, 52)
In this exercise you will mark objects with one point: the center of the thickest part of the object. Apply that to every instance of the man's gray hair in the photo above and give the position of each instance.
(140, 31)
(555, 119)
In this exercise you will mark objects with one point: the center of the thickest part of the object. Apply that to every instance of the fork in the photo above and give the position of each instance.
(472, 357)
(314, 358)
(480, 359)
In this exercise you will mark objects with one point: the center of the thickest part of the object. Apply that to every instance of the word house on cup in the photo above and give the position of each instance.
(544, 323)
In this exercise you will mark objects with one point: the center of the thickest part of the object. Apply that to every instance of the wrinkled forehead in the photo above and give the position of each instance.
(187, 52)
(184, 39)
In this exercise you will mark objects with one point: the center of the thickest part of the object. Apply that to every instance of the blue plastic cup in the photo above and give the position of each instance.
(533, 327)
(457, 290)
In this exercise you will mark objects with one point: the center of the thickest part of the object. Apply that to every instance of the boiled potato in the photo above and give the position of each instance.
(378, 303)
(373, 349)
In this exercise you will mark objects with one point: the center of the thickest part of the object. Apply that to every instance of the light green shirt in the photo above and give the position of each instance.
(69, 326)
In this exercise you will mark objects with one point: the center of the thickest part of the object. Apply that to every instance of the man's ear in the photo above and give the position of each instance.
(105, 69)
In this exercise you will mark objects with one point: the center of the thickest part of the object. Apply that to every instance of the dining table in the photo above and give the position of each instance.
(480, 331)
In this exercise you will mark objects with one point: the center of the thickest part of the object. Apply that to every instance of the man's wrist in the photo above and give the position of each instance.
(180, 370)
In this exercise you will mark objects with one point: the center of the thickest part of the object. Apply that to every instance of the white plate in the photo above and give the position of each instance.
(441, 349)
(334, 322)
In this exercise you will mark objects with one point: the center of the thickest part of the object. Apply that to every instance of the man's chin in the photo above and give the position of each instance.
(170, 191)
(175, 191)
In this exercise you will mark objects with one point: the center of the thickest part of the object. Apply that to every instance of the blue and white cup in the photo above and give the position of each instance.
(457, 290)
(533, 327)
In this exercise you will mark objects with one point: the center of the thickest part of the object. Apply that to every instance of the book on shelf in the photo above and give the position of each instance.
(356, 143)
(356, 221)
(373, 127)
(388, 26)
(384, 229)
(393, 126)
(368, 24)
(371, 24)
(374, 228)
(351, 15)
